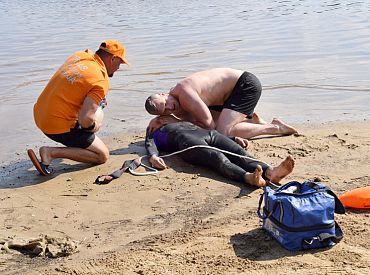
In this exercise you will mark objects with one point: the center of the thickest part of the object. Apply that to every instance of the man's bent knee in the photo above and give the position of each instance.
(103, 156)
(100, 149)
(227, 121)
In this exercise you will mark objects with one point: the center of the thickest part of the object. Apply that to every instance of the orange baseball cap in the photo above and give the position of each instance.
(114, 47)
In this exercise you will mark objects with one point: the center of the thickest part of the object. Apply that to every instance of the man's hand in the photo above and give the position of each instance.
(242, 142)
(157, 162)
(211, 126)
(168, 119)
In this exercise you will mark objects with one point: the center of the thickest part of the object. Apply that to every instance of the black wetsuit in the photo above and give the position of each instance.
(180, 135)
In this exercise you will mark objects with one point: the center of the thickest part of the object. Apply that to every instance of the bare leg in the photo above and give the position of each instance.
(256, 119)
(249, 130)
(227, 120)
(276, 174)
(96, 153)
(232, 123)
(255, 178)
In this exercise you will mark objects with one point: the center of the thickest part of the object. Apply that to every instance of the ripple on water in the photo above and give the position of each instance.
(312, 57)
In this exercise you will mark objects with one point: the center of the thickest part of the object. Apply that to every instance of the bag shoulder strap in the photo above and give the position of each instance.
(260, 215)
(265, 213)
(339, 208)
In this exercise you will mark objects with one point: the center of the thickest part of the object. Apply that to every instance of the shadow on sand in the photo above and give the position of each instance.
(23, 173)
(258, 245)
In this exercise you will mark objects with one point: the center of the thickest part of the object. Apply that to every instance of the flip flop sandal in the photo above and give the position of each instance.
(44, 170)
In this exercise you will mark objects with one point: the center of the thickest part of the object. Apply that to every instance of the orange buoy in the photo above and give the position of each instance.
(357, 198)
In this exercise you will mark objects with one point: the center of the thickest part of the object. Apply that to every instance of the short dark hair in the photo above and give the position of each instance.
(150, 106)
(103, 53)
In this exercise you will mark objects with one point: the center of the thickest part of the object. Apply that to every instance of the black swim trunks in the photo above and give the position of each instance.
(77, 137)
(244, 97)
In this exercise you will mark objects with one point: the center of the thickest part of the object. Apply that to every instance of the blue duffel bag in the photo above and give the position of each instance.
(301, 215)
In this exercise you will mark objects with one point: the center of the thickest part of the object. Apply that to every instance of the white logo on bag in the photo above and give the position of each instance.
(274, 231)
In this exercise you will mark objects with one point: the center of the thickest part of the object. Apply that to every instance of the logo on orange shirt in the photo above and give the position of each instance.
(72, 69)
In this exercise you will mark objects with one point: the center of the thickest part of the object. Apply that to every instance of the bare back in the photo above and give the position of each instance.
(213, 86)
(202, 89)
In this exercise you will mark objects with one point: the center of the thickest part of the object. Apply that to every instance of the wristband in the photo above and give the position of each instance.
(91, 127)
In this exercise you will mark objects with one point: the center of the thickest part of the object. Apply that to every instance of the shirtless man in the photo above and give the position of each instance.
(223, 99)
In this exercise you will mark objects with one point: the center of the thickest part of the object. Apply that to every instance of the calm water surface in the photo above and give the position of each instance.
(312, 57)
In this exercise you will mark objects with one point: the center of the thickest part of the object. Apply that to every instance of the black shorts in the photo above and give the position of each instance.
(75, 138)
(244, 97)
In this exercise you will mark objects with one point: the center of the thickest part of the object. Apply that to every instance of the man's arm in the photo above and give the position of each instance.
(86, 117)
(191, 102)
(152, 151)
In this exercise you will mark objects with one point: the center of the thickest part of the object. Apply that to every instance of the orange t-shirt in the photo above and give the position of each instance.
(57, 108)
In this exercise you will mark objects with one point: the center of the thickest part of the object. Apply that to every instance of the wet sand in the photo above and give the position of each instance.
(186, 219)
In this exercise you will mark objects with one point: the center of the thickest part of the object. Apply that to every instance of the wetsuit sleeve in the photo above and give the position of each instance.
(150, 146)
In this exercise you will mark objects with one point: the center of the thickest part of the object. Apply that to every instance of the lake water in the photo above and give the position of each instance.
(312, 57)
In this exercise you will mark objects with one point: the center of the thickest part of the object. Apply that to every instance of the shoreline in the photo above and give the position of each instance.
(184, 219)
(20, 161)
(129, 122)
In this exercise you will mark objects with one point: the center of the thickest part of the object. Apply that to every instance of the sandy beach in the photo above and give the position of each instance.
(313, 60)
(186, 219)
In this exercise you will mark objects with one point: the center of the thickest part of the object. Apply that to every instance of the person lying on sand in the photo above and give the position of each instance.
(171, 135)
(223, 99)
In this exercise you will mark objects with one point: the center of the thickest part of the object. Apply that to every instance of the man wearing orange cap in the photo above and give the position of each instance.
(65, 110)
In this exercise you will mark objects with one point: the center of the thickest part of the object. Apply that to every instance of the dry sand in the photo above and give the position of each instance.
(184, 220)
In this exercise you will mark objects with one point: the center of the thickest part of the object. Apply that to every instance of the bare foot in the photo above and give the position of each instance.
(45, 155)
(276, 174)
(255, 178)
(256, 119)
(283, 128)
